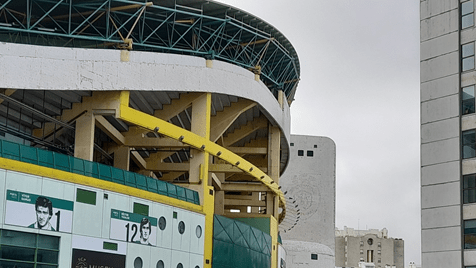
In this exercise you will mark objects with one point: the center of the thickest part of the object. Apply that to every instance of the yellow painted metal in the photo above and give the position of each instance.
(150, 122)
(273, 230)
(19, 166)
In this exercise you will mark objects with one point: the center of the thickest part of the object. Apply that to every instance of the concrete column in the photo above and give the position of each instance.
(84, 137)
(122, 157)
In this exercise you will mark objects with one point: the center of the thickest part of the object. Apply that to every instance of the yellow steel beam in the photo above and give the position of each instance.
(150, 122)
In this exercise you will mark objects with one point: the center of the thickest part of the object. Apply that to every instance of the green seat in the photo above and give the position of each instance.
(62, 162)
(181, 193)
(46, 158)
(29, 154)
(77, 166)
(171, 190)
(196, 198)
(11, 150)
(130, 178)
(189, 195)
(161, 187)
(91, 169)
(141, 181)
(105, 172)
(151, 185)
(118, 175)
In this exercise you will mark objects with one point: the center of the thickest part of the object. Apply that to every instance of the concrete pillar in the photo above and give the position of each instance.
(84, 137)
(122, 157)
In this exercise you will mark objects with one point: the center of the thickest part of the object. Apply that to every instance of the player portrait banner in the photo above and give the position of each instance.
(132, 227)
(38, 211)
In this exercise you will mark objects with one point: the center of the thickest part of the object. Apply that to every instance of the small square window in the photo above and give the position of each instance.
(110, 246)
(141, 209)
(85, 196)
(175, 215)
(313, 256)
(300, 152)
(310, 153)
(292, 143)
(315, 146)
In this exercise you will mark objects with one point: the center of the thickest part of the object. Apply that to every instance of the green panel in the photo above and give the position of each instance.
(11, 150)
(105, 172)
(196, 198)
(77, 166)
(130, 179)
(45, 158)
(141, 209)
(222, 254)
(241, 257)
(261, 224)
(141, 182)
(223, 229)
(171, 190)
(28, 154)
(61, 162)
(189, 194)
(118, 175)
(85, 196)
(181, 193)
(238, 238)
(110, 246)
(91, 169)
(162, 187)
(151, 184)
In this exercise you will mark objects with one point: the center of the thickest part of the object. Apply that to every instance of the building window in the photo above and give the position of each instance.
(469, 140)
(379, 252)
(313, 256)
(310, 153)
(141, 209)
(379, 260)
(470, 234)
(292, 143)
(300, 152)
(467, 14)
(370, 256)
(468, 100)
(362, 252)
(21, 249)
(467, 56)
(361, 243)
(469, 188)
(379, 244)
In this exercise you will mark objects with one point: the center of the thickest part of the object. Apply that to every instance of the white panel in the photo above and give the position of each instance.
(113, 201)
(196, 243)
(440, 195)
(438, 46)
(196, 261)
(181, 241)
(439, 67)
(440, 109)
(441, 239)
(2, 194)
(440, 152)
(97, 244)
(468, 122)
(135, 251)
(469, 258)
(65, 255)
(441, 259)
(468, 166)
(440, 173)
(87, 219)
(445, 86)
(58, 189)
(440, 217)
(23, 182)
(440, 130)
(164, 237)
(439, 25)
(468, 78)
(160, 254)
(469, 211)
(432, 8)
(180, 257)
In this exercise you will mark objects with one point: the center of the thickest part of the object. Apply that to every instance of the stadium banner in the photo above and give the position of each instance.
(38, 211)
(132, 227)
(87, 259)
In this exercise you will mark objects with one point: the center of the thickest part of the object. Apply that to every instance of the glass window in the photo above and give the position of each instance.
(470, 234)
(313, 256)
(469, 188)
(310, 153)
(141, 209)
(469, 147)
(19, 249)
(467, 56)
(300, 152)
(467, 14)
(85, 196)
(468, 100)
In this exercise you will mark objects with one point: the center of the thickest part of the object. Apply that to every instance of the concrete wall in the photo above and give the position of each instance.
(298, 255)
(58, 68)
(440, 139)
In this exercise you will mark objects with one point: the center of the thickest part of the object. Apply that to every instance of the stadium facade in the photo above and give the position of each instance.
(448, 209)
(142, 134)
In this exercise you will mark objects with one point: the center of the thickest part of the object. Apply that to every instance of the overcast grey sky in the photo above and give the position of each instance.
(360, 87)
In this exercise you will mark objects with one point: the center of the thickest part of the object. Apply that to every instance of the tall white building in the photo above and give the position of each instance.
(448, 133)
